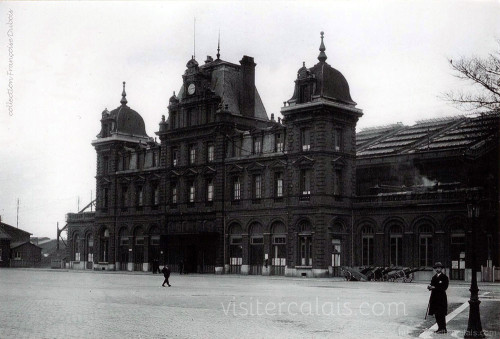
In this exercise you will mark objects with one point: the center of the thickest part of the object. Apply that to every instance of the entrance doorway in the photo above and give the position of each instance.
(457, 252)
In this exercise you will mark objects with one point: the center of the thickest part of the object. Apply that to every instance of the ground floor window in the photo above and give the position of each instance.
(306, 250)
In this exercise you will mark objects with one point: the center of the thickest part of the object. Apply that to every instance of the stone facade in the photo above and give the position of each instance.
(228, 190)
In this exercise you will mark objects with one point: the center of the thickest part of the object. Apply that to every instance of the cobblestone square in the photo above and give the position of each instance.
(61, 304)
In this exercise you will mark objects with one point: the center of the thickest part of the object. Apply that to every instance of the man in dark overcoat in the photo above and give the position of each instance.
(438, 303)
(166, 274)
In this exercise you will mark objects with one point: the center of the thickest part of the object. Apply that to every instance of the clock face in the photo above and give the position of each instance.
(191, 89)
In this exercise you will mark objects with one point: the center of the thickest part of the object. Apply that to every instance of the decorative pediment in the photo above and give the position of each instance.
(124, 180)
(208, 170)
(104, 181)
(304, 161)
(154, 177)
(174, 174)
(255, 166)
(234, 168)
(278, 164)
(190, 172)
(140, 178)
(338, 162)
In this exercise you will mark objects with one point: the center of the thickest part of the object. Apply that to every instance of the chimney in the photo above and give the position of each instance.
(248, 86)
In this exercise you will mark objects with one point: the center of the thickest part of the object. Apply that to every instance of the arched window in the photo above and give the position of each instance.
(425, 245)
(396, 245)
(367, 245)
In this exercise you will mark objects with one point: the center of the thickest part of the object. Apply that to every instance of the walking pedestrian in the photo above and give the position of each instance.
(438, 303)
(166, 274)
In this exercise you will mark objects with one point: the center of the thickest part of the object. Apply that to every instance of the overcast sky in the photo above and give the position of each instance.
(69, 61)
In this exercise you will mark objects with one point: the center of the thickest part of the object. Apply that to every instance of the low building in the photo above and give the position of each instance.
(16, 250)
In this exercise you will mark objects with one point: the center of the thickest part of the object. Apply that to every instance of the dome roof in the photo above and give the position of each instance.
(331, 83)
(173, 99)
(127, 121)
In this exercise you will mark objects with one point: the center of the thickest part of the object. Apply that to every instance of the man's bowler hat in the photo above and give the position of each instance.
(438, 264)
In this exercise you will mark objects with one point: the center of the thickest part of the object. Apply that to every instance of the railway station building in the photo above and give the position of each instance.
(230, 189)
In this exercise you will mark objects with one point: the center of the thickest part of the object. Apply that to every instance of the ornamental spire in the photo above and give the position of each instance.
(218, 47)
(124, 101)
(322, 56)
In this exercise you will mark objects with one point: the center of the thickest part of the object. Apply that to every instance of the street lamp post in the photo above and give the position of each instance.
(474, 327)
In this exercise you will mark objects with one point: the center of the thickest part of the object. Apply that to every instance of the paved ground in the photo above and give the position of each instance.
(60, 304)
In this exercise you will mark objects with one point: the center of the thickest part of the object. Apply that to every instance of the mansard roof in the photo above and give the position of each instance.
(226, 82)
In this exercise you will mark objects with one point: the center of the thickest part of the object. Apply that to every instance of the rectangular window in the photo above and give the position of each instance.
(305, 138)
(105, 197)
(191, 192)
(236, 189)
(175, 157)
(236, 147)
(279, 184)
(124, 241)
(279, 240)
(173, 120)
(257, 185)
(337, 140)
(173, 188)
(210, 190)
(337, 183)
(192, 155)
(139, 241)
(367, 251)
(257, 240)
(140, 160)
(105, 164)
(257, 145)
(124, 198)
(155, 240)
(17, 255)
(305, 182)
(396, 250)
(140, 201)
(210, 153)
(278, 142)
(155, 194)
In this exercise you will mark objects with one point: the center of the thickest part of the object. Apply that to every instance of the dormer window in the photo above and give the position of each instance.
(257, 145)
(337, 140)
(278, 142)
(304, 93)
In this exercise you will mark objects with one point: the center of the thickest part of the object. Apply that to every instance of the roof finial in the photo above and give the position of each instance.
(218, 47)
(124, 99)
(322, 56)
